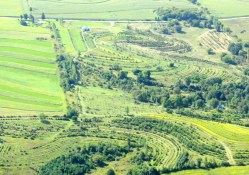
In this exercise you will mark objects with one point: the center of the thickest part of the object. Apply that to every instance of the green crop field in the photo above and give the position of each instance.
(227, 8)
(99, 9)
(28, 74)
(13, 7)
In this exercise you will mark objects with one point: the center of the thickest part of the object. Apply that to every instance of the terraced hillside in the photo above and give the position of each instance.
(29, 82)
(165, 138)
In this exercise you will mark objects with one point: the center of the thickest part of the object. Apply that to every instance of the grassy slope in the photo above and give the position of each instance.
(28, 74)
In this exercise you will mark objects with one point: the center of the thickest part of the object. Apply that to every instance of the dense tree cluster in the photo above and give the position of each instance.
(83, 160)
(195, 92)
(238, 54)
(143, 169)
(205, 94)
(69, 75)
(195, 17)
(172, 27)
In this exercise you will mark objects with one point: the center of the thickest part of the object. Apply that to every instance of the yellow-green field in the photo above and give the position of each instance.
(234, 138)
(236, 170)
(29, 80)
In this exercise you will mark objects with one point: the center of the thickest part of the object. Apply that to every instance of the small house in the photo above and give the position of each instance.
(85, 29)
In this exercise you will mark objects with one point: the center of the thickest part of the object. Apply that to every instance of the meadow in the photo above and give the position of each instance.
(29, 79)
(13, 8)
(227, 9)
(239, 27)
(107, 10)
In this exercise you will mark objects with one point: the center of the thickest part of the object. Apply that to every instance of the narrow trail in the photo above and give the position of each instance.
(232, 18)
(228, 153)
(84, 39)
(70, 123)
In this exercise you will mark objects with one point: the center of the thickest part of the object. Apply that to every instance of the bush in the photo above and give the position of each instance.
(110, 172)
(246, 71)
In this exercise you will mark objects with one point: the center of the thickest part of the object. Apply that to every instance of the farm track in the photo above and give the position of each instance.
(228, 153)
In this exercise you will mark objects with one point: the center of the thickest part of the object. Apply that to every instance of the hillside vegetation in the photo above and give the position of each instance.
(165, 95)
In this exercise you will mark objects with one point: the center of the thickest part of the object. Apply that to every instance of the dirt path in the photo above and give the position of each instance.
(232, 18)
(228, 153)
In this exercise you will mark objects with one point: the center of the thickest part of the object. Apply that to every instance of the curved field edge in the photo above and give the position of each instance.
(229, 132)
(235, 170)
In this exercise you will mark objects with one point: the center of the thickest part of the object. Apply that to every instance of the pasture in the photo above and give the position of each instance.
(28, 75)
(104, 9)
(227, 9)
(12, 8)
(239, 27)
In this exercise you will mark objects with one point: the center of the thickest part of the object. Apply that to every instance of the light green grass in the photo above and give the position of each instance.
(236, 170)
(240, 27)
(12, 7)
(101, 101)
(76, 38)
(110, 9)
(227, 8)
(229, 132)
(28, 72)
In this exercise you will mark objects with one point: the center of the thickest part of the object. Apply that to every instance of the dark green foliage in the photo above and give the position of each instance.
(172, 27)
(123, 75)
(23, 23)
(69, 74)
(171, 65)
(193, 1)
(83, 160)
(72, 113)
(246, 45)
(110, 172)
(25, 16)
(196, 18)
(227, 59)
(143, 170)
(246, 71)
(43, 17)
(210, 52)
(235, 48)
